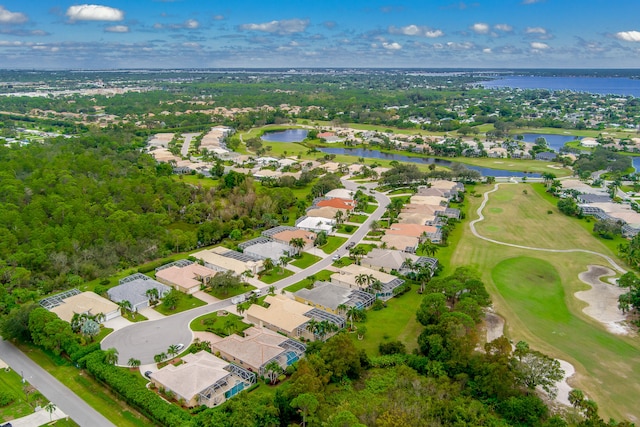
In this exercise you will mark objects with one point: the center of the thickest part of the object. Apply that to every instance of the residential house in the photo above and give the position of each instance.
(135, 289)
(203, 379)
(223, 259)
(257, 348)
(67, 304)
(329, 297)
(184, 275)
(349, 277)
(316, 224)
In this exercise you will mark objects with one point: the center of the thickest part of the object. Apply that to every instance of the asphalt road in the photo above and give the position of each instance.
(54, 390)
(144, 340)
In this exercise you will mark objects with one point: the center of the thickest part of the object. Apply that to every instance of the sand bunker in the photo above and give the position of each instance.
(602, 299)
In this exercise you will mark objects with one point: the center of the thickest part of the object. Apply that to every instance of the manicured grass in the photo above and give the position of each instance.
(103, 333)
(346, 229)
(322, 275)
(133, 317)
(274, 275)
(600, 358)
(405, 190)
(367, 247)
(534, 289)
(306, 259)
(343, 262)
(185, 302)
(333, 243)
(397, 322)
(219, 325)
(358, 219)
(11, 382)
(370, 208)
(88, 389)
(228, 293)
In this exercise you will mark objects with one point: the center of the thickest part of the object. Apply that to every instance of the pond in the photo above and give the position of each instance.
(555, 142)
(289, 135)
(374, 154)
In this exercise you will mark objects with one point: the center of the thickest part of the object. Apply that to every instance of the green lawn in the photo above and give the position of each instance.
(371, 207)
(11, 382)
(346, 229)
(228, 293)
(92, 392)
(538, 302)
(535, 291)
(405, 190)
(306, 259)
(397, 322)
(358, 219)
(368, 247)
(322, 275)
(133, 317)
(185, 302)
(274, 275)
(219, 325)
(333, 243)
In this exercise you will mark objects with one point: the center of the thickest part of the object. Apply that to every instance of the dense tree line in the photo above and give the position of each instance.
(77, 209)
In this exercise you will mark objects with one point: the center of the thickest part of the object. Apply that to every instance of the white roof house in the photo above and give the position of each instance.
(316, 224)
(340, 193)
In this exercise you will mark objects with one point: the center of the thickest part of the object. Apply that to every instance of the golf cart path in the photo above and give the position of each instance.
(472, 225)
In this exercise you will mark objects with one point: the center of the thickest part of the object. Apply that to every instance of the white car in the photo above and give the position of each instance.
(179, 347)
(336, 257)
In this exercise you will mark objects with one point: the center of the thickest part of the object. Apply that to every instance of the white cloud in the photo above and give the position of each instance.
(629, 36)
(192, 45)
(218, 17)
(531, 1)
(117, 29)
(94, 12)
(10, 43)
(460, 46)
(416, 30)
(392, 46)
(535, 30)
(286, 26)
(8, 17)
(480, 28)
(487, 50)
(191, 24)
(539, 46)
(503, 27)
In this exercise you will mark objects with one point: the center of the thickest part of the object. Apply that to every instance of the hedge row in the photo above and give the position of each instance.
(153, 406)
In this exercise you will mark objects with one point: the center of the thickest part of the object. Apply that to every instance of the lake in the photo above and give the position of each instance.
(373, 154)
(555, 142)
(599, 85)
(289, 135)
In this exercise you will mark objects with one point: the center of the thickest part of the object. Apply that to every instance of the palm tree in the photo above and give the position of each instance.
(342, 309)
(339, 217)
(283, 263)
(424, 274)
(298, 244)
(428, 247)
(375, 225)
(172, 350)
(240, 308)
(50, 408)
(361, 280)
(272, 370)
(153, 295)
(271, 290)
(267, 264)
(312, 326)
(125, 305)
(111, 356)
(133, 363)
(158, 358)
(354, 314)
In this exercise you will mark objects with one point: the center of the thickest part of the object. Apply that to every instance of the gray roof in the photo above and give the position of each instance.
(593, 198)
(331, 296)
(279, 229)
(546, 155)
(133, 289)
(273, 250)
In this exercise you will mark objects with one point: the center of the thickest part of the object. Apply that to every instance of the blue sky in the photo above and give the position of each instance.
(320, 33)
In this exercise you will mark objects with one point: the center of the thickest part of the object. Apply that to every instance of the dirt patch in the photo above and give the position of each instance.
(602, 299)
(494, 325)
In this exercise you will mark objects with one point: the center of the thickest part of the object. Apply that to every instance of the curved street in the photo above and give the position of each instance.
(144, 340)
(473, 223)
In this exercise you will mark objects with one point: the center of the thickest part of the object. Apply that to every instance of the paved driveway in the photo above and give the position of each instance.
(144, 340)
